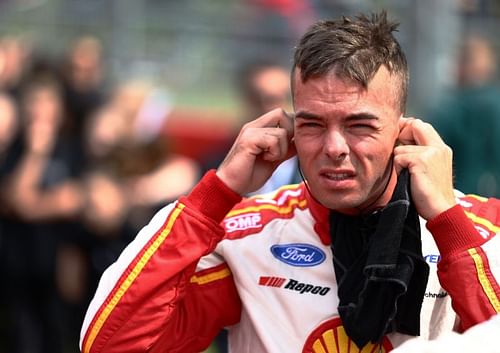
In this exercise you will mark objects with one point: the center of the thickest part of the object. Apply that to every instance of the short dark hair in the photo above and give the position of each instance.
(355, 47)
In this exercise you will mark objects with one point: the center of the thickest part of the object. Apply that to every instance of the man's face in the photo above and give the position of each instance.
(345, 135)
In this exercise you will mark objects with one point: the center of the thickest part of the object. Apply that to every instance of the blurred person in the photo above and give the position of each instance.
(104, 224)
(8, 128)
(103, 132)
(85, 71)
(374, 248)
(105, 205)
(47, 158)
(129, 171)
(15, 60)
(8, 125)
(263, 86)
(84, 84)
(468, 117)
(45, 199)
(124, 136)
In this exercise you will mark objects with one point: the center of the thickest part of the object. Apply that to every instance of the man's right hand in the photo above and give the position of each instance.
(260, 147)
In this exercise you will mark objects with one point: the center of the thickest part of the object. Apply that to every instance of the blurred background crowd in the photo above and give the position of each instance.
(111, 109)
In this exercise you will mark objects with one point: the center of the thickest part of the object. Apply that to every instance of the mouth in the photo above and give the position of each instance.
(338, 176)
(337, 179)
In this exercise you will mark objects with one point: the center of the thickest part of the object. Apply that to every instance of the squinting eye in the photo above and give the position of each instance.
(362, 126)
(309, 124)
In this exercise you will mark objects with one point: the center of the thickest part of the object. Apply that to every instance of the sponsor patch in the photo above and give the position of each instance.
(435, 295)
(297, 254)
(246, 221)
(293, 285)
(432, 258)
(330, 336)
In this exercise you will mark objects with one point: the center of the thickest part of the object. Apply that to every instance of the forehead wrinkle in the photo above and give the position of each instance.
(352, 87)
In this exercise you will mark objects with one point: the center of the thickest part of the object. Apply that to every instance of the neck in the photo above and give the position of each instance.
(385, 194)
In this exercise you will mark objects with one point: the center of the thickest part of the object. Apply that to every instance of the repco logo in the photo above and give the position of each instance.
(246, 221)
(294, 285)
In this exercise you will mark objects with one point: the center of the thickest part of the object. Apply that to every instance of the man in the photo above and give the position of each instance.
(334, 262)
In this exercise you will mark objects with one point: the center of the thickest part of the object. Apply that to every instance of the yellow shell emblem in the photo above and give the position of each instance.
(330, 337)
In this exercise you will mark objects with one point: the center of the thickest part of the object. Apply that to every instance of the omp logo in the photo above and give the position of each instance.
(302, 255)
(294, 285)
(246, 221)
(330, 336)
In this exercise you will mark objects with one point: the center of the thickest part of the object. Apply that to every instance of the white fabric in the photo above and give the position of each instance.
(484, 338)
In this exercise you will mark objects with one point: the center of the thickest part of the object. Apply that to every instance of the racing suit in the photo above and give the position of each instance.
(263, 268)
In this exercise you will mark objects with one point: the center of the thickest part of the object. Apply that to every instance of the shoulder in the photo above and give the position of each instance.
(255, 212)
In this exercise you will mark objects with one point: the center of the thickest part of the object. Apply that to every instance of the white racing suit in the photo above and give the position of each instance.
(263, 268)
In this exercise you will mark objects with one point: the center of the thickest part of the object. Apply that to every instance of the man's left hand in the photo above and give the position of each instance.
(429, 161)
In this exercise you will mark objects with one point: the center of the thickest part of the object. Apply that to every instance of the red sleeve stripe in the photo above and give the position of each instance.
(485, 277)
(482, 221)
(125, 284)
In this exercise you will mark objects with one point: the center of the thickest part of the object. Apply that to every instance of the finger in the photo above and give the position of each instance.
(273, 118)
(274, 143)
(276, 118)
(407, 149)
(420, 158)
(443, 150)
(407, 161)
(407, 156)
(415, 131)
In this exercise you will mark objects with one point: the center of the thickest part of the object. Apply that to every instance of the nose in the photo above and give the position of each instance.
(336, 146)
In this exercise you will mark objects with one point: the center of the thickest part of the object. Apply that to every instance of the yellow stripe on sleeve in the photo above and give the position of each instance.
(99, 323)
(482, 221)
(214, 276)
(477, 197)
(483, 279)
(278, 209)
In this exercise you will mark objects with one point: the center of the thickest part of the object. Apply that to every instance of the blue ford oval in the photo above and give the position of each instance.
(297, 254)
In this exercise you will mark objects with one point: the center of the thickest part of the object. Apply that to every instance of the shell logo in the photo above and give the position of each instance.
(330, 337)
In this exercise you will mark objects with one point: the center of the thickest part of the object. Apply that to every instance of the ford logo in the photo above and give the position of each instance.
(302, 255)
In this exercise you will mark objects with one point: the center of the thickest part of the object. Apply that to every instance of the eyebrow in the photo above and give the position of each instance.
(362, 116)
(352, 117)
(306, 115)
